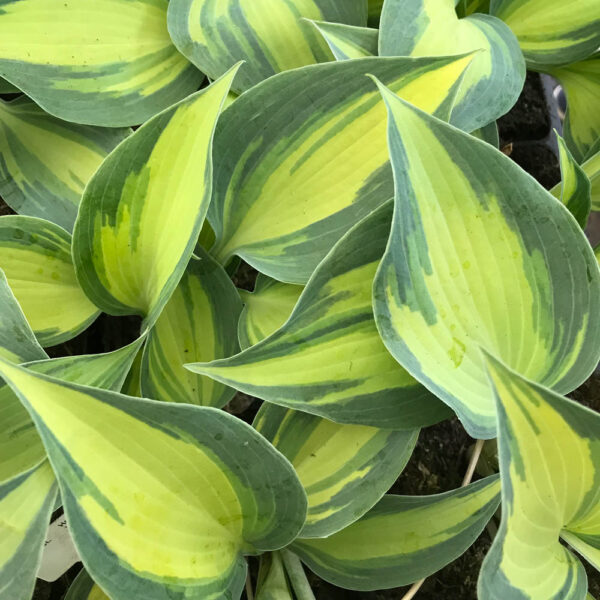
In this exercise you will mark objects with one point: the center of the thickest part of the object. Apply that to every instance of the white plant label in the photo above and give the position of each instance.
(59, 553)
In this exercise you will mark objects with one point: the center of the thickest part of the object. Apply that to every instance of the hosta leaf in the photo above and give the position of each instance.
(20, 446)
(328, 358)
(464, 8)
(494, 79)
(107, 62)
(488, 133)
(45, 162)
(591, 168)
(272, 581)
(132, 386)
(84, 588)
(26, 504)
(345, 469)
(581, 82)
(17, 341)
(142, 211)
(194, 489)
(375, 7)
(574, 191)
(547, 487)
(480, 255)
(551, 32)
(348, 41)
(301, 158)
(8, 88)
(199, 323)
(36, 258)
(403, 539)
(266, 309)
(270, 36)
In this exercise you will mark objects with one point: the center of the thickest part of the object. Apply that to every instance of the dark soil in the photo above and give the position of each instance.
(442, 452)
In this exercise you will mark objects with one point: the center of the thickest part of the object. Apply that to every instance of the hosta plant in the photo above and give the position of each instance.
(405, 271)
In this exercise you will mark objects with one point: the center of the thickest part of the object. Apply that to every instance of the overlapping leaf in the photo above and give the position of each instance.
(26, 504)
(345, 469)
(194, 489)
(403, 539)
(7, 88)
(328, 358)
(581, 82)
(199, 323)
(301, 158)
(35, 255)
(272, 581)
(480, 255)
(84, 588)
(20, 446)
(574, 190)
(591, 167)
(106, 62)
(17, 340)
(270, 36)
(266, 309)
(552, 32)
(494, 79)
(142, 211)
(45, 162)
(375, 7)
(348, 41)
(548, 489)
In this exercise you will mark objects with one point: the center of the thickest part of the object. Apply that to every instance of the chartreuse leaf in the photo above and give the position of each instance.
(266, 309)
(108, 62)
(17, 340)
(328, 358)
(403, 539)
(270, 36)
(581, 82)
(198, 323)
(301, 158)
(84, 588)
(272, 581)
(36, 258)
(158, 181)
(45, 162)
(26, 504)
(345, 469)
(551, 32)
(8, 88)
(494, 79)
(464, 8)
(132, 386)
(20, 446)
(348, 41)
(549, 489)
(574, 191)
(195, 488)
(591, 168)
(480, 255)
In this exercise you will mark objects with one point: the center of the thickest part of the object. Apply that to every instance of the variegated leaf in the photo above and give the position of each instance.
(20, 446)
(403, 539)
(480, 255)
(143, 209)
(17, 340)
(348, 41)
(84, 588)
(345, 469)
(494, 79)
(328, 358)
(106, 62)
(591, 167)
(35, 255)
(266, 309)
(581, 82)
(45, 162)
(301, 158)
(270, 36)
(26, 504)
(548, 489)
(552, 32)
(198, 323)
(272, 580)
(488, 133)
(575, 189)
(195, 488)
